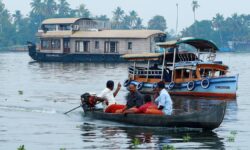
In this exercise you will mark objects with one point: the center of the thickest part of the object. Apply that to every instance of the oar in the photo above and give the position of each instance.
(72, 109)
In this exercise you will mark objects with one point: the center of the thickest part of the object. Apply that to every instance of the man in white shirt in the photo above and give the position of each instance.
(164, 100)
(108, 94)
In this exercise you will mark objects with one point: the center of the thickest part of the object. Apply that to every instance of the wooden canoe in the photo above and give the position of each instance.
(208, 119)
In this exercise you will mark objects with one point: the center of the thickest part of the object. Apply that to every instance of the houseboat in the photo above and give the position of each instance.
(187, 66)
(89, 40)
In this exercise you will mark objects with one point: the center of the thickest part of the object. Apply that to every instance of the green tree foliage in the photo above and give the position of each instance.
(6, 28)
(157, 23)
(121, 20)
(221, 30)
(82, 12)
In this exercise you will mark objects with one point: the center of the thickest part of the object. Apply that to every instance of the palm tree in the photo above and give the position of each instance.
(118, 16)
(82, 11)
(50, 8)
(37, 6)
(195, 5)
(63, 8)
(133, 18)
(218, 21)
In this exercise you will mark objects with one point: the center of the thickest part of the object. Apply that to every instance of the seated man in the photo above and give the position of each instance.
(108, 94)
(134, 98)
(148, 108)
(163, 100)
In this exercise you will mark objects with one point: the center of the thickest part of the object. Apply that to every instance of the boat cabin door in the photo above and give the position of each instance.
(66, 47)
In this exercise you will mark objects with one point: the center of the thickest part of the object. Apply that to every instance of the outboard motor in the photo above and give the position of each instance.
(88, 101)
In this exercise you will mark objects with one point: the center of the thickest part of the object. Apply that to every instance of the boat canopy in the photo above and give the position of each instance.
(200, 44)
(142, 57)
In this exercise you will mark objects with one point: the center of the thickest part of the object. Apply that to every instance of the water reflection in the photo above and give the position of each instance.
(148, 138)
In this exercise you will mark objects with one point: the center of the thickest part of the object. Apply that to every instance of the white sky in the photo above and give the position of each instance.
(148, 8)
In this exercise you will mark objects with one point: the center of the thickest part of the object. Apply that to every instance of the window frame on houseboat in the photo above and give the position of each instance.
(108, 46)
(80, 46)
(130, 45)
(51, 44)
(97, 44)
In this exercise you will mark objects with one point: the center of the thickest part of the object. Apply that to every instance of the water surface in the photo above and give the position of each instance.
(34, 96)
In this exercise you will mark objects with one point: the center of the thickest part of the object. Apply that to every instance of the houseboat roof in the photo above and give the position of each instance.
(199, 44)
(116, 34)
(102, 34)
(60, 20)
(142, 57)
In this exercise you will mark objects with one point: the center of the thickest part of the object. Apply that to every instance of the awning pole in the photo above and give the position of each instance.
(163, 63)
(148, 70)
(134, 72)
(172, 79)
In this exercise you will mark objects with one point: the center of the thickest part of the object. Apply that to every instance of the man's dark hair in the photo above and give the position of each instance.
(147, 98)
(110, 84)
(132, 84)
(161, 85)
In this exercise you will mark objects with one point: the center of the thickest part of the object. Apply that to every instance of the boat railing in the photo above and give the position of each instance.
(184, 57)
(141, 71)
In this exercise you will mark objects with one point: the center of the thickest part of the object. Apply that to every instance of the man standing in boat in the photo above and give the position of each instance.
(108, 94)
(164, 100)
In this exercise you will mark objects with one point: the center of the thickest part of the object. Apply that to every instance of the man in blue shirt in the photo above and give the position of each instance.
(164, 100)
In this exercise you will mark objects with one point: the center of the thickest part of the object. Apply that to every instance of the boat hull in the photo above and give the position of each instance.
(67, 57)
(225, 86)
(206, 119)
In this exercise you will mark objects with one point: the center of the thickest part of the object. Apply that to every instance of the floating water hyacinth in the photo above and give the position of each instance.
(168, 147)
(186, 138)
(21, 147)
(20, 92)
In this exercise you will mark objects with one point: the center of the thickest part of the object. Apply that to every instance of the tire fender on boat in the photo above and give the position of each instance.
(171, 85)
(126, 83)
(139, 86)
(205, 83)
(191, 85)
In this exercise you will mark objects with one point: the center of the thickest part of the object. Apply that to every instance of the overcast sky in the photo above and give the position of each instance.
(148, 8)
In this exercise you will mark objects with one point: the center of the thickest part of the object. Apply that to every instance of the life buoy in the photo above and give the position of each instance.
(139, 86)
(126, 83)
(205, 83)
(191, 85)
(171, 85)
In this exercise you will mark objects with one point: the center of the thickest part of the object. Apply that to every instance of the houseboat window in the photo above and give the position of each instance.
(55, 44)
(111, 47)
(129, 45)
(64, 27)
(52, 44)
(45, 44)
(86, 46)
(96, 44)
(77, 46)
(50, 27)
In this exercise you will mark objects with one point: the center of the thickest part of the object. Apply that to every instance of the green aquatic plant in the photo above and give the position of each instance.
(232, 136)
(21, 147)
(186, 138)
(233, 133)
(168, 147)
(62, 148)
(20, 92)
(136, 142)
